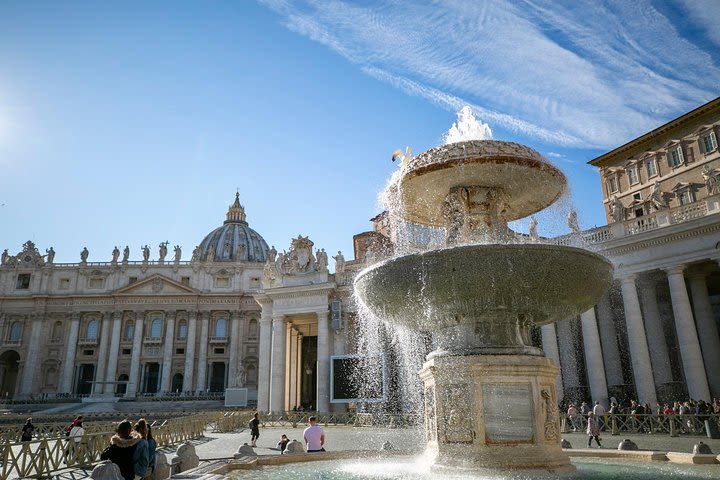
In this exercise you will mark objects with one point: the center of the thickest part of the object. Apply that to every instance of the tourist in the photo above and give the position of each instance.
(584, 409)
(284, 440)
(314, 437)
(27, 431)
(592, 430)
(572, 413)
(254, 430)
(599, 412)
(75, 435)
(152, 447)
(141, 457)
(122, 449)
(75, 421)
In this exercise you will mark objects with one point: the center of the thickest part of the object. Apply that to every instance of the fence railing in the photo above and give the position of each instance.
(672, 425)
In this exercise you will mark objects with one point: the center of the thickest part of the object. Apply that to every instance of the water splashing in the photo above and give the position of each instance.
(467, 128)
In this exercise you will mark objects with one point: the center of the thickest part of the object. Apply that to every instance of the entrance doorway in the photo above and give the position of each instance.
(86, 375)
(177, 383)
(152, 378)
(308, 383)
(217, 377)
(8, 373)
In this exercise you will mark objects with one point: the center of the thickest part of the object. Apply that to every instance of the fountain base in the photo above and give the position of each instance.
(493, 411)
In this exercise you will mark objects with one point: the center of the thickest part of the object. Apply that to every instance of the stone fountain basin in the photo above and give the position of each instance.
(434, 290)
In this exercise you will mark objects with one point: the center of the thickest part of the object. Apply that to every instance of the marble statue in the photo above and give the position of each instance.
(617, 211)
(241, 376)
(146, 253)
(533, 229)
(272, 254)
(339, 262)
(711, 180)
(126, 254)
(5, 257)
(573, 222)
(115, 255)
(404, 158)
(84, 255)
(656, 197)
(299, 259)
(551, 416)
(455, 208)
(322, 260)
(210, 255)
(178, 253)
(50, 254)
(163, 251)
(196, 254)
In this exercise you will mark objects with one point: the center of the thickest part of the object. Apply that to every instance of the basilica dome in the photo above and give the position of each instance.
(234, 241)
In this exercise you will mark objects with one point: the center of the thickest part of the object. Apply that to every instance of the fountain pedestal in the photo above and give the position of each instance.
(493, 411)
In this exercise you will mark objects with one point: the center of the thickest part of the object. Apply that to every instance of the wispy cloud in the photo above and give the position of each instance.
(576, 73)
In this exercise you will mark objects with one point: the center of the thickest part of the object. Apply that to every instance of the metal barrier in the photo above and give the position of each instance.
(672, 425)
(43, 458)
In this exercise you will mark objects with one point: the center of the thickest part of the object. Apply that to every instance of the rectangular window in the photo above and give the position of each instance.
(709, 142)
(88, 352)
(185, 281)
(651, 167)
(633, 175)
(96, 283)
(676, 157)
(23, 281)
(222, 282)
(182, 331)
(126, 351)
(132, 280)
(179, 351)
(219, 351)
(636, 196)
(685, 196)
(64, 284)
(612, 184)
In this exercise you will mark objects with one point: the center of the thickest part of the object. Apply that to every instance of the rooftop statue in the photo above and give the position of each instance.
(50, 254)
(126, 254)
(178, 253)
(163, 251)
(573, 222)
(146, 253)
(84, 255)
(339, 262)
(533, 229)
(115, 255)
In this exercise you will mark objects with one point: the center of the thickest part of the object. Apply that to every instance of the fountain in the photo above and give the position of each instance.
(490, 399)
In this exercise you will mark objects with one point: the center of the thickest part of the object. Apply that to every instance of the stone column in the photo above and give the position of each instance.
(277, 382)
(294, 366)
(103, 352)
(134, 379)
(323, 362)
(594, 358)
(168, 351)
(202, 352)
(569, 364)
(550, 347)
(28, 375)
(234, 347)
(639, 354)
(609, 341)
(299, 371)
(110, 374)
(190, 352)
(264, 351)
(657, 345)
(692, 359)
(707, 331)
(70, 349)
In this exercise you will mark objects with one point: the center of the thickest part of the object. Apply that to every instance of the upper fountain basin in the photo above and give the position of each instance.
(529, 183)
(437, 289)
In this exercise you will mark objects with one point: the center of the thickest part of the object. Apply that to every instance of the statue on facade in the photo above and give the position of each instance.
(241, 376)
(196, 254)
(339, 262)
(210, 255)
(322, 260)
(50, 254)
(146, 253)
(177, 253)
(84, 255)
(163, 251)
(533, 229)
(299, 259)
(572, 221)
(5, 257)
(126, 254)
(617, 211)
(115, 255)
(711, 181)
(656, 197)
(272, 254)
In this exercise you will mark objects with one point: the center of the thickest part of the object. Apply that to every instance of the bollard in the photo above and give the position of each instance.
(673, 432)
(614, 426)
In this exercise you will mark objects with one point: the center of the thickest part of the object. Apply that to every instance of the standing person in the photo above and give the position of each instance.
(152, 447)
(254, 430)
(122, 449)
(27, 431)
(75, 421)
(141, 457)
(592, 430)
(314, 437)
(75, 435)
(572, 413)
(599, 412)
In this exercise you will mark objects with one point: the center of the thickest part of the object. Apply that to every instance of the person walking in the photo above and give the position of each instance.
(592, 430)
(314, 437)
(122, 449)
(27, 431)
(599, 412)
(74, 437)
(254, 430)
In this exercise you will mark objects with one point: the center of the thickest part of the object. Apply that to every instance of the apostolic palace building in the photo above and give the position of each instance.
(240, 315)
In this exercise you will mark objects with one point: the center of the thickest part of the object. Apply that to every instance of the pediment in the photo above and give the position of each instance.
(156, 285)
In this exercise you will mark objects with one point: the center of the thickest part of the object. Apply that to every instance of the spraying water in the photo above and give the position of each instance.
(467, 128)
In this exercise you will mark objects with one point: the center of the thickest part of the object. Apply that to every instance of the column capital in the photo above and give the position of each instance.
(170, 314)
(675, 270)
(629, 278)
(117, 315)
(235, 315)
(278, 317)
(75, 316)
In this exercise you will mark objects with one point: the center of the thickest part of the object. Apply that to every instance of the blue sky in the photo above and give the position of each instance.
(132, 123)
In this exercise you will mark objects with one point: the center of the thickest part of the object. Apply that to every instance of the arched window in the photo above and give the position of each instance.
(57, 331)
(253, 327)
(120, 388)
(129, 329)
(50, 377)
(182, 330)
(177, 383)
(92, 330)
(15, 332)
(221, 328)
(156, 328)
(251, 373)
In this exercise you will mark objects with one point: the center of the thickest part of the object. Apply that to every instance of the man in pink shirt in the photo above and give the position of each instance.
(314, 437)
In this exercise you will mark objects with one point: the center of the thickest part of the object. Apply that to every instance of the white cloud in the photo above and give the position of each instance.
(592, 73)
(705, 13)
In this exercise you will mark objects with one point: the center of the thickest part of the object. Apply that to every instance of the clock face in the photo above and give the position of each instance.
(27, 258)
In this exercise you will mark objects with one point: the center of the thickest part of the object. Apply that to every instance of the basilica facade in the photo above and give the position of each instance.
(239, 314)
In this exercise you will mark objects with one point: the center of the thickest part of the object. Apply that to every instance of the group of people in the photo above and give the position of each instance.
(132, 449)
(314, 436)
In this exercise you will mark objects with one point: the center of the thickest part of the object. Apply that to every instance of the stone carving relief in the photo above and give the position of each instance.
(28, 257)
(552, 419)
(712, 184)
(656, 197)
(458, 418)
(430, 420)
(299, 259)
(617, 211)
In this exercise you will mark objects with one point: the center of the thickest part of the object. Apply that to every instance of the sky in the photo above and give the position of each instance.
(133, 123)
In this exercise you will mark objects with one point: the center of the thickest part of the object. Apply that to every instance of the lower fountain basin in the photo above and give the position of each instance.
(480, 297)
